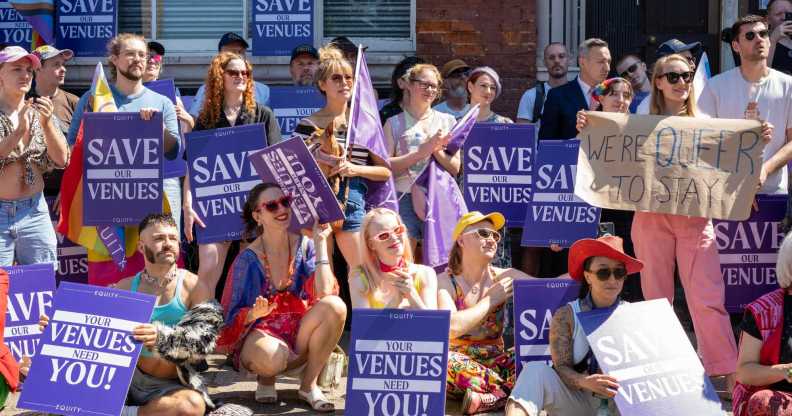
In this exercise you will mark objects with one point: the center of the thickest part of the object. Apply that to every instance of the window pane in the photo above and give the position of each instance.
(134, 16)
(367, 18)
(198, 19)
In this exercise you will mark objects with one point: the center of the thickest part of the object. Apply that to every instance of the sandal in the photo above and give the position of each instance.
(266, 393)
(317, 400)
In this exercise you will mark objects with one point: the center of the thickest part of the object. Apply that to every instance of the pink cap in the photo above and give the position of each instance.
(15, 53)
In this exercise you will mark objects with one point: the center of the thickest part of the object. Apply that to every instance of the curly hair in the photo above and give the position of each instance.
(214, 93)
(114, 49)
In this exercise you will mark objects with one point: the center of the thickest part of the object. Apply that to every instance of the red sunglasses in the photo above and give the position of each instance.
(386, 235)
(272, 206)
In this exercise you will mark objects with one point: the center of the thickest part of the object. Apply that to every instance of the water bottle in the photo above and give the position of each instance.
(603, 408)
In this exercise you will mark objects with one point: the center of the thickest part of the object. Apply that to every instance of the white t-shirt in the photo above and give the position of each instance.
(526, 108)
(643, 107)
(726, 96)
(444, 108)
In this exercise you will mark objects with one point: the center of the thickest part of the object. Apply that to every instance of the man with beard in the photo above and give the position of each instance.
(455, 73)
(633, 69)
(556, 60)
(303, 65)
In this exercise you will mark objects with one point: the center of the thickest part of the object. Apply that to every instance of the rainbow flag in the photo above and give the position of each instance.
(41, 16)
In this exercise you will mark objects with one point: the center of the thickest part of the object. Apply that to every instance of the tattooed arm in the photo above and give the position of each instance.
(561, 347)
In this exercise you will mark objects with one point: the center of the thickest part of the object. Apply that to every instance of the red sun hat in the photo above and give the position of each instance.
(608, 246)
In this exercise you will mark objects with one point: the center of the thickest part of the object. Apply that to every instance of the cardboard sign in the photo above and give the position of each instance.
(14, 29)
(498, 169)
(535, 302)
(221, 176)
(72, 258)
(671, 165)
(555, 215)
(292, 104)
(397, 362)
(748, 252)
(280, 26)
(29, 296)
(122, 168)
(291, 165)
(87, 355)
(85, 26)
(171, 168)
(644, 347)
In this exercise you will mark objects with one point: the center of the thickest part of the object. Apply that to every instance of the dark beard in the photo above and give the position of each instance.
(129, 76)
(151, 257)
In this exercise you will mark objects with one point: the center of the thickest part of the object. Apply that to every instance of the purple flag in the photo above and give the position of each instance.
(444, 206)
(461, 130)
(29, 296)
(365, 129)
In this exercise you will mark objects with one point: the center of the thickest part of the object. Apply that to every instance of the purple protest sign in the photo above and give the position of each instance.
(291, 165)
(122, 170)
(397, 362)
(555, 215)
(748, 251)
(14, 29)
(171, 168)
(498, 169)
(221, 176)
(72, 258)
(29, 296)
(87, 352)
(164, 87)
(644, 347)
(292, 104)
(535, 302)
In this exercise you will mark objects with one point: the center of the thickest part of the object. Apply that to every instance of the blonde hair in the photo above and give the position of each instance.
(657, 100)
(417, 69)
(331, 61)
(784, 263)
(369, 259)
(114, 48)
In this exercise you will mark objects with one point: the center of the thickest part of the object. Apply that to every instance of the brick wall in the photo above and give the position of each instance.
(500, 34)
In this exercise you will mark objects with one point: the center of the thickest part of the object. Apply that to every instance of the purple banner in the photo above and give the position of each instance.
(748, 251)
(555, 215)
(221, 176)
(122, 172)
(498, 169)
(292, 104)
(72, 258)
(171, 168)
(397, 362)
(87, 355)
(29, 296)
(644, 347)
(280, 26)
(291, 165)
(535, 302)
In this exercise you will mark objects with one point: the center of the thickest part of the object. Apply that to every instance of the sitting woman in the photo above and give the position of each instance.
(387, 277)
(574, 385)
(280, 307)
(764, 363)
(480, 370)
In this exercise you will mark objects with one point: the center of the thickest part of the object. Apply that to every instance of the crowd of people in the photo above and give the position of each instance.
(279, 310)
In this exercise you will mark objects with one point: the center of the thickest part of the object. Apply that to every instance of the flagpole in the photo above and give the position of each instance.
(355, 92)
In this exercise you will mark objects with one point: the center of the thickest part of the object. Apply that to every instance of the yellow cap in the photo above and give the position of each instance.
(473, 217)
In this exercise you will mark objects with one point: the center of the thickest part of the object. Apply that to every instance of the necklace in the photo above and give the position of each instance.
(156, 281)
(268, 268)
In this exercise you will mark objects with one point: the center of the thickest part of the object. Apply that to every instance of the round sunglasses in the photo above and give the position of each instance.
(394, 233)
(485, 233)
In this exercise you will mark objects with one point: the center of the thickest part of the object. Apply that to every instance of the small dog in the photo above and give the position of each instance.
(329, 154)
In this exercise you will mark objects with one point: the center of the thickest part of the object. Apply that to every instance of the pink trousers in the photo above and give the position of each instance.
(661, 239)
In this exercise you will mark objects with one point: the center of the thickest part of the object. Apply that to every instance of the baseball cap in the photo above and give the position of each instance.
(157, 47)
(496, 218)
(47, 51)
(231, 37)
(453, 65)
(672, 46)
(304, 49)
(15, 53)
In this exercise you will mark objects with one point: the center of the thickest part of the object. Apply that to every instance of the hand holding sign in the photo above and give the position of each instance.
(146, 334)
(600, 384)
(147, 112)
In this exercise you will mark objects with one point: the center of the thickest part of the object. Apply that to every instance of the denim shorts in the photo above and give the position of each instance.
(407, 213)
(26, 232)
(355, 204)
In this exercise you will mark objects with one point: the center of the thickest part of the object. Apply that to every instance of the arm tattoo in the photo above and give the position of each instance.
(561, 343)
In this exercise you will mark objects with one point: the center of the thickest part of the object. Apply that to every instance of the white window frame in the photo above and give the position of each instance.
(566, 24)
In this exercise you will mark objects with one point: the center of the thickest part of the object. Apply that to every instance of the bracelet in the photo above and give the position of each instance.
(321, 262)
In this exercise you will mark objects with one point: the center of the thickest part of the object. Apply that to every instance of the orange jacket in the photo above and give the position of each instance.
(9, 368)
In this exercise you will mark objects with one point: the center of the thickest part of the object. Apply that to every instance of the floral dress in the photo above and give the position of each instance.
(478, 360)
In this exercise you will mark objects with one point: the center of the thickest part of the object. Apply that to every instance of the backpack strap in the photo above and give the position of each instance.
(538, 102)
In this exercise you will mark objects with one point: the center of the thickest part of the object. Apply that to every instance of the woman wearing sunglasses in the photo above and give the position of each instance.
(230, 102)
(346, 167)
(480, 369)
(388, 277)
(280, 303)
(574, 384)
(413, 138)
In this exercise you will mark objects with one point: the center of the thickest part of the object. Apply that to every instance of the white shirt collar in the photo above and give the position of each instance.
(586, 90)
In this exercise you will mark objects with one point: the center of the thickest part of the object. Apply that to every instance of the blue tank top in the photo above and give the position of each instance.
(170, 313)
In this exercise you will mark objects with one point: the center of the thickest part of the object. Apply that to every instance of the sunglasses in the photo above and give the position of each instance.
(426, 86)
(752, 35)
(485, 233)
(272, 206)
(630, 70)
(338, 78)
(605, 273)
(235, 73)
(394, 233)
(674, 77)
(155, 58)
